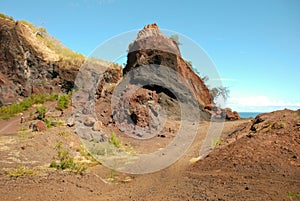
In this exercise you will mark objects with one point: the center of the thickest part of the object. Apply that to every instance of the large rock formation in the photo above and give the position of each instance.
(152, 47)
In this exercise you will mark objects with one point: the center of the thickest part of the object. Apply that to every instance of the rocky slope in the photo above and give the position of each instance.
(28, 65)
(258, 161)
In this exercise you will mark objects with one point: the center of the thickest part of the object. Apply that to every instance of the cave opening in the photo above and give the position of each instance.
(160, 89)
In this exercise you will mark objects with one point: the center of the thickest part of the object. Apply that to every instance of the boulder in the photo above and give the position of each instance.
(39, 126)
(231, 115)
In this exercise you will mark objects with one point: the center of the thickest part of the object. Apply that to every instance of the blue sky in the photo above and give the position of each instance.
(255, 45)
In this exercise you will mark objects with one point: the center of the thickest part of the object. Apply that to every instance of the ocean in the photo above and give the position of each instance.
(249, 114)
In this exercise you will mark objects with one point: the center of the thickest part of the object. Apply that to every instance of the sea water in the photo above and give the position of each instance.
(249, 114)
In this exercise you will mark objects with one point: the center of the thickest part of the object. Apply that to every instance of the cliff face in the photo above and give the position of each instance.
(28, 66)
(152, 47)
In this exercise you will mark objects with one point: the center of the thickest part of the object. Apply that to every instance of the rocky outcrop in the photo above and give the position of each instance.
(29, 66)
(219, 113)
(152, 47)
(231, 115)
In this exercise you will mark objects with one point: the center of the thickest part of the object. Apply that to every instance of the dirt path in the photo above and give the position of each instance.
(10, 126)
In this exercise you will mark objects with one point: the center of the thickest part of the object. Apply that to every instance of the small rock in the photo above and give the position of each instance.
(70, 122)
(90, 121)
(122, 128)
(97, 126)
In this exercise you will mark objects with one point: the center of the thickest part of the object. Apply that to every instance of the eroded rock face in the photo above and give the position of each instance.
(151, 50)
(138, 114)
(28, 66)
(151, 47)
(144, 107)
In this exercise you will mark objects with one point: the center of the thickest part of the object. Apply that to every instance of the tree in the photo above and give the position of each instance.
(204, 78)
(219, 91)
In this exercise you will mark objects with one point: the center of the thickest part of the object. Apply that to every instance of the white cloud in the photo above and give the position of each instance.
(259, 103)
(223, 79)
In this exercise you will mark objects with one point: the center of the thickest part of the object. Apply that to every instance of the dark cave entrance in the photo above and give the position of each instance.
(160, 89)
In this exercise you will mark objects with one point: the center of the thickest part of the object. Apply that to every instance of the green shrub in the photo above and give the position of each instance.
(53, 97)
(29, 24)
(41, 111)
(292, 195)
(63, 102)
(8, 111)
(39, 99)
(64, 161)
(217, 142)
(20, 171)
(6, 17)
(115, 141)
(49, 122)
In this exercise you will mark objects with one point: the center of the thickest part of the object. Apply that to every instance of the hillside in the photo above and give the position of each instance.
(32, 61)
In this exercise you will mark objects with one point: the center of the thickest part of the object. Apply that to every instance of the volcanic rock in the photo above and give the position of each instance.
(28, 65)
(152, 47)
(231, 115)
(39, 126)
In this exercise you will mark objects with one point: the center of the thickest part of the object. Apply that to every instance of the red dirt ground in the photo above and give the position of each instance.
(257, 160)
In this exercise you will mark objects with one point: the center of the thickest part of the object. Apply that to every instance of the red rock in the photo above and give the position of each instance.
(152, 47)
(231, 115)
(209, 106)
(39, 126)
